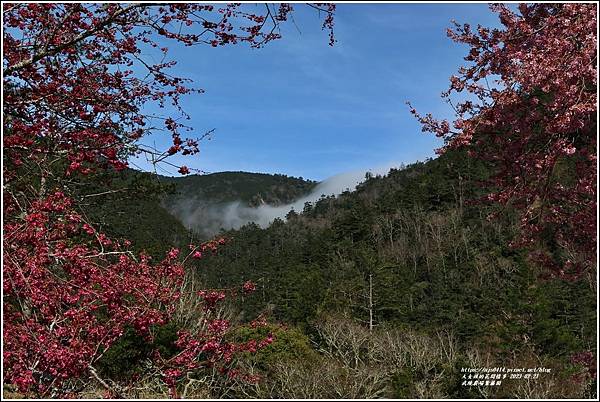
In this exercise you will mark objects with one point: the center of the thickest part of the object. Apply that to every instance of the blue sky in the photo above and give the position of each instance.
(302, 108)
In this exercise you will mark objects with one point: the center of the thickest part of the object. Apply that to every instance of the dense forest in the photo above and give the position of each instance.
(208, 203)
(415, 258)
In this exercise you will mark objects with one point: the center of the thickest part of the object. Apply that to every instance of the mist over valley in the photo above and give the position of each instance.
(208, 204)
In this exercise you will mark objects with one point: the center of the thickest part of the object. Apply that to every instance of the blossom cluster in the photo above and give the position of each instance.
(530, 111)
(75, 84)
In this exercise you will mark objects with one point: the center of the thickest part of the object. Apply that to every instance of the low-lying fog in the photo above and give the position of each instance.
(208, 218)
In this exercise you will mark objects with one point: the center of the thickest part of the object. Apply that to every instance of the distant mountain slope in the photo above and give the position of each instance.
(252, 189)
(157, 212)
(127, 205)
(208, 203)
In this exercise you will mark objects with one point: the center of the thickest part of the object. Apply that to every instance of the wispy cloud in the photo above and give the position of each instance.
(209, 218)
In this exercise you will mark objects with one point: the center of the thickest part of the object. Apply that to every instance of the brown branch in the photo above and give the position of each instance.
(105, 192)
(82, 36)
(94, 374)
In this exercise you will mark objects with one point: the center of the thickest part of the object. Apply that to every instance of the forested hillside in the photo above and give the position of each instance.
(253, 189)
(127, 205)
(413, 250)
(207, 203)
(160, 212)
(416, 250)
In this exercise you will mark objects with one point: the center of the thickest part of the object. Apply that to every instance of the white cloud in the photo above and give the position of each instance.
(208, 219)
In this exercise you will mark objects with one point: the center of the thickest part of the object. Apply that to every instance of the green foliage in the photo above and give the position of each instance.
(289, 344)
(126, 205)
(123, 359)
(250, 188)
(402, 384)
